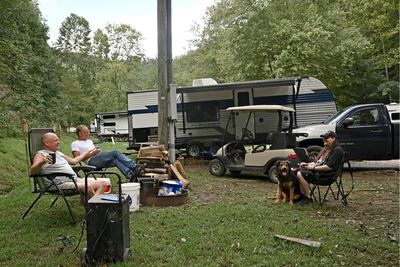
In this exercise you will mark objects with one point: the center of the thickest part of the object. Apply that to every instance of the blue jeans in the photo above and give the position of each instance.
(113, 158)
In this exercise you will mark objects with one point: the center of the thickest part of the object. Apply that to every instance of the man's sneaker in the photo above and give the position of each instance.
(136, 172)
(305, 201)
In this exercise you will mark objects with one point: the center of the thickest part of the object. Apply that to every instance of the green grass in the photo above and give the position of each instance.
(227, 222)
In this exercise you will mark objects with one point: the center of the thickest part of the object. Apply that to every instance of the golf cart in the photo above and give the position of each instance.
(266, 131)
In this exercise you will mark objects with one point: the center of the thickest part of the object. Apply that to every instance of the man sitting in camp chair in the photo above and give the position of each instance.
(43, 163)
(99, 159)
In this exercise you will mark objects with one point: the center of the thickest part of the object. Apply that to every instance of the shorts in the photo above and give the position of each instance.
(70, 184)
(324, 178)
(309, 176)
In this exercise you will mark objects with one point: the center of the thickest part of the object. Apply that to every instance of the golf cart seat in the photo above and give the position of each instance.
(235, 151)
(268, 139)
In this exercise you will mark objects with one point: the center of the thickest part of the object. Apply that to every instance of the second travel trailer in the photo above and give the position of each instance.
(202, 113)
(110, 124)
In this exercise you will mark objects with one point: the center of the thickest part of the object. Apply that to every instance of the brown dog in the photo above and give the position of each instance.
(286, 187)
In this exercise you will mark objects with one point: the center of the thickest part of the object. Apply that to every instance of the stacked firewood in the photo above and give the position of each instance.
(158, 167)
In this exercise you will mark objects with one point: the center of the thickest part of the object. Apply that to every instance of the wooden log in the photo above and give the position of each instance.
(160, 177)
(310, 243)
(176, 173)
(156, 170)
(179, 167)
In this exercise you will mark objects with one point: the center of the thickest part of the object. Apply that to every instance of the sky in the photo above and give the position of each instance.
(139, 14)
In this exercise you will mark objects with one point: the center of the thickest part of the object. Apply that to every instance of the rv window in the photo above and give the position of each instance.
(105, 117)
(109, 124)
(243, 99)
(202, 111)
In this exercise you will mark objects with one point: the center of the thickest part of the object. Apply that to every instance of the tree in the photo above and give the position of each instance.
(260, 39)
(101, 47)
(110, 93)
(124, 42)
(25, 69)
(74, 35)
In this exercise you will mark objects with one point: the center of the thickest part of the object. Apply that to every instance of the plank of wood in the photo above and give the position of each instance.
(310, 243)
(181, 170)
(156, 170)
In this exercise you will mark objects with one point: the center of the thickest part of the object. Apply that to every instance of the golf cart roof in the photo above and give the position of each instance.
(254, 108)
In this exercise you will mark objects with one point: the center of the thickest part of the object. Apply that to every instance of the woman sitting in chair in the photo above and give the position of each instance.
(326, 164)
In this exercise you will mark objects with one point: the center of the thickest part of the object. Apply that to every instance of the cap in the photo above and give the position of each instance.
(328, 134)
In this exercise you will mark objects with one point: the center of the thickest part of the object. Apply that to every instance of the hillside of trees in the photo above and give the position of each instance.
(352, 46)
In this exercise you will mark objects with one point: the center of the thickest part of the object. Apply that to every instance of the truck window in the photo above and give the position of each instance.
(107, 124)
(365, 117)
(202, 111)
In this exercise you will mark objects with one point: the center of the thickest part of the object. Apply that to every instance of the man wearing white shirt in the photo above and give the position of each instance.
(99, 159)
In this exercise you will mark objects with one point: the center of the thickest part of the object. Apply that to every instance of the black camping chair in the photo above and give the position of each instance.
(330, 181)
(38, 180)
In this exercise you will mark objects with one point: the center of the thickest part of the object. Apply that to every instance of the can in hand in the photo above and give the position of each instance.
(53, 157)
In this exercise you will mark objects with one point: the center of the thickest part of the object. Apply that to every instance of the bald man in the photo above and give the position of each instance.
(43, 164)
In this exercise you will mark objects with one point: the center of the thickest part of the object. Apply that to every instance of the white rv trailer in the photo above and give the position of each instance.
(202, 113)
(111, 124)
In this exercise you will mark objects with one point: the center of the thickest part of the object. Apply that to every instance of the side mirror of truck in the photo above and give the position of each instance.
(347, 122)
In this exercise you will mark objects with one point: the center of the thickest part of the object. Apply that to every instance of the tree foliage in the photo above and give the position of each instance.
(25, 71)
(74, 35)
(352, 46)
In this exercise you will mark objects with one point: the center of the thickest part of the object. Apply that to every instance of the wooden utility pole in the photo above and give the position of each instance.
(164, 66)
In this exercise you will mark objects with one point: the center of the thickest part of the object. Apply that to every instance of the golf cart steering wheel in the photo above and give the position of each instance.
(246, 133)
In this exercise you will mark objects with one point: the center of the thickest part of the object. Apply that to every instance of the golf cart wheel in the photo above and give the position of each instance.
(235, 172)
(216, 167)
(313, 151)
(193, 150)
(273, 174)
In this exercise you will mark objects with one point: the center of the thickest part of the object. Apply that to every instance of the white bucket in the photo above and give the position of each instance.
(133, 192)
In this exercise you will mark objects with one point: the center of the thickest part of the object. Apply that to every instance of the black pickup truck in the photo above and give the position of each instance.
(367, 132)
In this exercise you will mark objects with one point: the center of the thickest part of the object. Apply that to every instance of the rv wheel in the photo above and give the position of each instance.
(216, 167)
(193, 150)
(273, 174)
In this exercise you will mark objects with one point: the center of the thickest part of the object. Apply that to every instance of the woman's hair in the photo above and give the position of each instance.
(326, 151)
(79, 128)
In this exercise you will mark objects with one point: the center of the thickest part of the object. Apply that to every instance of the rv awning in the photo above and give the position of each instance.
(238, 85)
(255, 108)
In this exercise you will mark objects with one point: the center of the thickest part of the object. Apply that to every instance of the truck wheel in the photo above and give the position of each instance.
(313, 151)
(193, 150)
(216, 167)
(273, 174)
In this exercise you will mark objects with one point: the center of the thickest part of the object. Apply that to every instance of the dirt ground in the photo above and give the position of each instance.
(373, 205)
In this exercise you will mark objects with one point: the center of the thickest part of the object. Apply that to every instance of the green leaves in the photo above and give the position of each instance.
(332, 40)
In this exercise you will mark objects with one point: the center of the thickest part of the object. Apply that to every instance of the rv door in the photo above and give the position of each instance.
(243, 97)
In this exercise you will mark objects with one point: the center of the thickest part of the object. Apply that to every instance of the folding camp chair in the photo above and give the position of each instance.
(39, 186)
(302, 155)
(330, 181)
